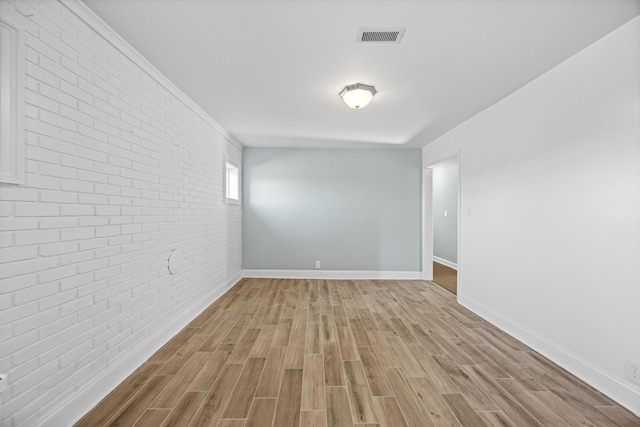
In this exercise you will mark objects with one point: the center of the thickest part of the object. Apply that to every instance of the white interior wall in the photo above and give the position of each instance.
(120, 169)
(550, 201)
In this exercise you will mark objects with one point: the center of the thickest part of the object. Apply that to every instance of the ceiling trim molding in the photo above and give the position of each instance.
(84, 13)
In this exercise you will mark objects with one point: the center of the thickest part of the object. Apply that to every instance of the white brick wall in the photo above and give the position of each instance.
(118, 172)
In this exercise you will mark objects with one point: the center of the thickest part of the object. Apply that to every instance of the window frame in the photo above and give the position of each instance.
(230, 165)
(12, 109)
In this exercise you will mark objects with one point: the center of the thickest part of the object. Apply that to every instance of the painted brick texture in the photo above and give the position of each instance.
(119, 172)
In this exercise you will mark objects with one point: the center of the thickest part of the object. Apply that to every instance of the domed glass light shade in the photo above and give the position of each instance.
(357, 95)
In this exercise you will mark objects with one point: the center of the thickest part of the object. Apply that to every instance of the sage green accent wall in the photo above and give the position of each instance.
(352, 209)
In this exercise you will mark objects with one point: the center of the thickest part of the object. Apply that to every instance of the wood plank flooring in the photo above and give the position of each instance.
(319, 353)
(446, 277)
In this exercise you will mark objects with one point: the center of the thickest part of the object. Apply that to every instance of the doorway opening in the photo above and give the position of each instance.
(441, 235)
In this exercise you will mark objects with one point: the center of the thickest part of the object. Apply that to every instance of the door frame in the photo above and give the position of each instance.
(427, 217)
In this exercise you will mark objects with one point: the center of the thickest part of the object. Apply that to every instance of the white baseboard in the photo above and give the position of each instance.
(83, 400)
(445, 262)
(334, 274)
(604, 382)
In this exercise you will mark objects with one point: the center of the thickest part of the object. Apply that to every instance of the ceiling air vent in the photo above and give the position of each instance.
(377, 35)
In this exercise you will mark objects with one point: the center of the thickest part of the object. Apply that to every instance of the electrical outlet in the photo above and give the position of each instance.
(318, 264)
(633, 371)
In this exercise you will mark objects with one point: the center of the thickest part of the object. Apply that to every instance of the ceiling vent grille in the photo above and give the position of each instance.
(372, 35)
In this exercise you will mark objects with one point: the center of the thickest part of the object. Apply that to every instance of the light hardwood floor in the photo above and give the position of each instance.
(349, 353)
(446, 277)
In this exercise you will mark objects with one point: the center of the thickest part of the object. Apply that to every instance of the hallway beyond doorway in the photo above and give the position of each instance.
(446, 277)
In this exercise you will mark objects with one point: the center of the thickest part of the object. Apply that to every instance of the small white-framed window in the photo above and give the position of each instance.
(231, 182)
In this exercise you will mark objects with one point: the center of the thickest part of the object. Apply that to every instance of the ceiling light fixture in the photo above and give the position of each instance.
(357, 95)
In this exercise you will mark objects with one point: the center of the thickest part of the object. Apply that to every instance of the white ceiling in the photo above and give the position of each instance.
(270, 71)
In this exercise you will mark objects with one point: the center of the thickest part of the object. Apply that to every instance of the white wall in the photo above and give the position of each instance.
(120, 169)
(445, 199)
(550, 205)
(351, 209)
